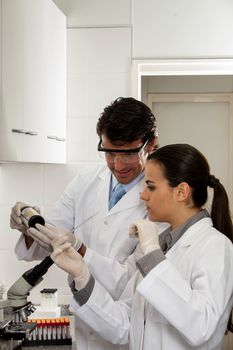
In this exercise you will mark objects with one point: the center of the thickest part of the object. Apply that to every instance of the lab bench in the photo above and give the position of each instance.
(17, 344)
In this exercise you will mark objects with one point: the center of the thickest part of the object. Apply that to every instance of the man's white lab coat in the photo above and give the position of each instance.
(83, 207)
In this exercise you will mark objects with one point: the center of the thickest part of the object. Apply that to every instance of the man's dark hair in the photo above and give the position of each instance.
(127, 119)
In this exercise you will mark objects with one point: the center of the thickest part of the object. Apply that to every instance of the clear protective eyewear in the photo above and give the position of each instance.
(128, 156)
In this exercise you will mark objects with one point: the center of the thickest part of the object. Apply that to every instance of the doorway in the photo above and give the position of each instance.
(192, 99)
(193, 103)
(202, 120)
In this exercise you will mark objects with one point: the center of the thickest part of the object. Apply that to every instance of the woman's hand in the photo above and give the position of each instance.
(146, 231)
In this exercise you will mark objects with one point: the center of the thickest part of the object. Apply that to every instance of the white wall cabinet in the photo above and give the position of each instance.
(33, 111)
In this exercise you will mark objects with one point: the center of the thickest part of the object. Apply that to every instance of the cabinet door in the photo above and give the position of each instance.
(31, 74)
(55, 87)
(12, 81)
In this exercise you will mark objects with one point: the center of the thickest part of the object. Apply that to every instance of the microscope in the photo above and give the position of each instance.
(14, 329)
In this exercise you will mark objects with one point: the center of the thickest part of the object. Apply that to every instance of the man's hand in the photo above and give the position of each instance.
(70, 261)
(15, 218)
(44, 235)
(146, 231)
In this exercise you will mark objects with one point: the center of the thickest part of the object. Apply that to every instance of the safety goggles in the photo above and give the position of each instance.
(128, 156)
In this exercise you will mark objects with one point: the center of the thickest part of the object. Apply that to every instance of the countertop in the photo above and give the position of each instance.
(55, 347)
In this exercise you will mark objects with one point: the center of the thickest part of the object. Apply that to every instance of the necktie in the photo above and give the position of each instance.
(116, 196)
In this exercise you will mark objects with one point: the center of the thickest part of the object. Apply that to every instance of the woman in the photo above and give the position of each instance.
(182, 295)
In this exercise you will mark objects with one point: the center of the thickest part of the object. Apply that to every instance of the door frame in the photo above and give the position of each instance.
(176, 67)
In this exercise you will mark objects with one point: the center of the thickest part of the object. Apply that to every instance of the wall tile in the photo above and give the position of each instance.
(109, 50)
(56, 178)
(21, 182)
(77, 135)
(112, 84)
(77, 131)
(93, 155)
(77, 50)
(98, 50)
(75, 153)
(77, 95)
(8, 237)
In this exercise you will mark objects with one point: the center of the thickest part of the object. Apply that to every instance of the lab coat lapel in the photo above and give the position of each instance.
(103, 189)
(190, 235)
(130, 199)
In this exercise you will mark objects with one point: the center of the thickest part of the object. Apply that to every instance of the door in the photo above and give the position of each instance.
(204, 121)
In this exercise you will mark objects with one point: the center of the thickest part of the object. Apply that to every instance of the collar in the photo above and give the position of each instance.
(126, 187)
(169, 237)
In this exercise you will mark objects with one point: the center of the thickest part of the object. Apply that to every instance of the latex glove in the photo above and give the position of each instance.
(15, 218)
(70, 261)
(146, 231)
(44, 235)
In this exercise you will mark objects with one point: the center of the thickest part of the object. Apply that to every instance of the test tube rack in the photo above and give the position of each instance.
(51, 331)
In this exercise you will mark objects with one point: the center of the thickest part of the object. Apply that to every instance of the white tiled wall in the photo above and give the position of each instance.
(98, 71)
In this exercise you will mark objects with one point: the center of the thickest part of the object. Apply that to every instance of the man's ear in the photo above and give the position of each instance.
(183, 191)
(152, 145)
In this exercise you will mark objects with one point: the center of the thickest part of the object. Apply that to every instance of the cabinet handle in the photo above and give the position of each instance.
(32, 133)
(50, 137)
(19, 131)
(60, 139)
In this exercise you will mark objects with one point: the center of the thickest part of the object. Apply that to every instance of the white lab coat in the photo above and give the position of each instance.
(83, 207)
(183, 303)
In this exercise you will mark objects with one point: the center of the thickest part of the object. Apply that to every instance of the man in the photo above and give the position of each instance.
(90, 208)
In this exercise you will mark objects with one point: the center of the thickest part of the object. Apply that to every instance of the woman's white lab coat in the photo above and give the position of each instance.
(83, 207)
(183, 303)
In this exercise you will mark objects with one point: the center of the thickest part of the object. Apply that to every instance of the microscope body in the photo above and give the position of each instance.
(14, 327)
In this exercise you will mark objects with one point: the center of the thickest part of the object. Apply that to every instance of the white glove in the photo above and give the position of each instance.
(44, 235)
(146, 231)
(15, 218)
(69, 260)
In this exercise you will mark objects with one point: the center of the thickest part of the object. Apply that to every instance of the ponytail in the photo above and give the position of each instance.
(230, 324)
(220, 214)
(220, 211)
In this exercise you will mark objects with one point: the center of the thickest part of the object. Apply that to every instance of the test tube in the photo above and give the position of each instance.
(54, 329)
(49, 327)
(58, 321)
(39, 329)
(67, 322)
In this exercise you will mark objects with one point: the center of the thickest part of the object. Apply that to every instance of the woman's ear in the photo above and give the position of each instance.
(183, 191)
